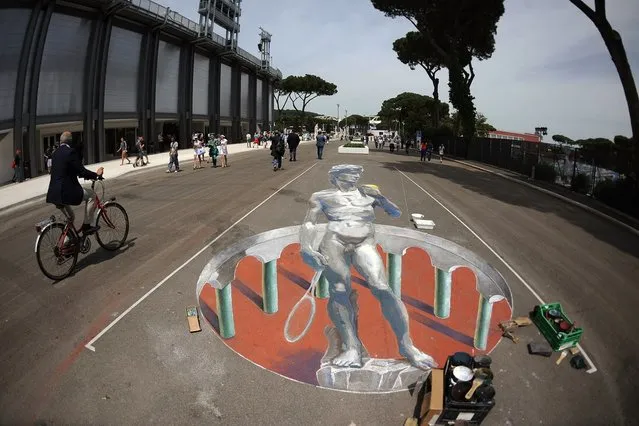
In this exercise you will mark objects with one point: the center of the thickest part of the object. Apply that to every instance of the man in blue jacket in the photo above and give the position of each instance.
(65, 189)
(320, 141)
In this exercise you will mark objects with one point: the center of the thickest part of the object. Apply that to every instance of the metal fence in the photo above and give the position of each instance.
(560, 165)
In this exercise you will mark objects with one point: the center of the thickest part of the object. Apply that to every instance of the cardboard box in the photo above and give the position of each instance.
(193, 319)
(433, 403)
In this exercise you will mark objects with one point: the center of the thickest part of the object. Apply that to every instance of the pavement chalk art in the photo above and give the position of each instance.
(324, 304)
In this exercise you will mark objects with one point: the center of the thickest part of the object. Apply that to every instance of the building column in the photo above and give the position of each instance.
(185, 94)
(236, 77)
(32, 142)
(264, 106)
(22, 84)
(482, 328)
(269, 287)
(150, 79)
(224, 303)
(214, 87)
(443, 288)
(394, 268)
(94, 90)
(253, 103)
(100, 87)
(215, 125)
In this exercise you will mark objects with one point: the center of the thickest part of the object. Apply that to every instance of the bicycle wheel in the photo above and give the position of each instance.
(114, 227)
(52, 262)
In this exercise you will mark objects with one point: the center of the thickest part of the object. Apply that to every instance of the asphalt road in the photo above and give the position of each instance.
(148, 368)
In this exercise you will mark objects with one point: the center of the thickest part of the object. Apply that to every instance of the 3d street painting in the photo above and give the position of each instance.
(349, 304)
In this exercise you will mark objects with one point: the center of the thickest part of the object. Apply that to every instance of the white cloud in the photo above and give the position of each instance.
(550, 66)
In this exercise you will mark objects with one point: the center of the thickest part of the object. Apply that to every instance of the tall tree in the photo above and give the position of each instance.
(614, 44)
(458, 31)
(413, 111)
(308, 87)
(282, 94)
(413, 50)
(562, 139)
(482, 125)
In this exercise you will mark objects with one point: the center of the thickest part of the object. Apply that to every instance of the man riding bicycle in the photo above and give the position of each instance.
(65, 189)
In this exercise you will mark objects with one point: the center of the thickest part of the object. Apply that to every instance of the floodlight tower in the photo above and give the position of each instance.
(264, 47)
(224, 13)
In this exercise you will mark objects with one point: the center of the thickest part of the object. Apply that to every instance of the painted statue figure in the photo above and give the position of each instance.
(350, 240)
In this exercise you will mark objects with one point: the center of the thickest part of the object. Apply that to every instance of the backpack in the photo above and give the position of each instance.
(281, 147)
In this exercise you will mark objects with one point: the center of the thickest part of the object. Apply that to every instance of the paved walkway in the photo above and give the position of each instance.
(17, 193)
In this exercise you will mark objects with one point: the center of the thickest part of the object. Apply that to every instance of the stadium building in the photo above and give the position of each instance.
(105, 69)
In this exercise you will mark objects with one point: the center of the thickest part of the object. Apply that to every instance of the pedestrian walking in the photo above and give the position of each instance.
(224, 150)
(213, 150)
(441, 153)
(141, 152)
(197, 153)
(422, 151)
(174, 164)
(293, 143)
(124, 149)
(278, 149)
(429, 150)
(320, 141)
(17, 166)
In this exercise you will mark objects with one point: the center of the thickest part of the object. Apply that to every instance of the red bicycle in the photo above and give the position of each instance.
(59, 242)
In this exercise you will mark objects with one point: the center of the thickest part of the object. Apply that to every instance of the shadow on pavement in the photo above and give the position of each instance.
(500, 189)
(101, 255)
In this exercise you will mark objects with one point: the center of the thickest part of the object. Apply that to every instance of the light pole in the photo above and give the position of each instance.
(337, 127)
(541, 132)
(346, 122)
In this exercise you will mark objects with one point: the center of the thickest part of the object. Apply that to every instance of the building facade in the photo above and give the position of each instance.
(106, 69)
(512, 136)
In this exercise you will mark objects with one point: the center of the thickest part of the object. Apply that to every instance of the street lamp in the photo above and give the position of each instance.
(541, 132)
(346, 122)
(337, 119)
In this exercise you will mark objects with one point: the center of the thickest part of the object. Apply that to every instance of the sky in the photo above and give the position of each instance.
(550, 67)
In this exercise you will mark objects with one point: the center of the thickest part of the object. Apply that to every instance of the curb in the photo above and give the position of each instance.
(555, 195)
(39, 198)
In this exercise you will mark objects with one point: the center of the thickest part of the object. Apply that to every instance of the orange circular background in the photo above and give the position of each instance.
(259, 337)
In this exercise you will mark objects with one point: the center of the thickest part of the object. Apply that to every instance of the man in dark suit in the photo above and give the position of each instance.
(65, 189)
(293, 143)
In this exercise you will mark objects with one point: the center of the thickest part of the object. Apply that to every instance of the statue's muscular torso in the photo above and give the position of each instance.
(350, 214)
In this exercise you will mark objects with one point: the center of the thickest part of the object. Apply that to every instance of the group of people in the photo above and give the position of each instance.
(279, 142)
(426, 151)
(141, 148)
(216, 144)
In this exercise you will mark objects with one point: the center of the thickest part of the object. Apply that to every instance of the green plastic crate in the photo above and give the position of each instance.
(558, 340)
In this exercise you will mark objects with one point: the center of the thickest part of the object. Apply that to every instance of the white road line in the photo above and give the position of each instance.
(90, 346)
(592, 368)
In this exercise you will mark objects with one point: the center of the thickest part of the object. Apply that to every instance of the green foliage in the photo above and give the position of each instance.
(354, 145)
(355, 120)
(414, 50)
(457, 31)
(415, 111)
(599, 150)
(625, 155)
(562, 139)
(302, 89)
(482, 127)
(297, 119)
(620, 194)
(581, 183)
(545, 172)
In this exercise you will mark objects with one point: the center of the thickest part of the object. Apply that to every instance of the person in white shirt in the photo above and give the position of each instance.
(441, 153)
(224, 150)
(249, 139)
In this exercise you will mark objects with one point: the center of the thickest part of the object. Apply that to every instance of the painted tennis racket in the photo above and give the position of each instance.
(308, 295)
